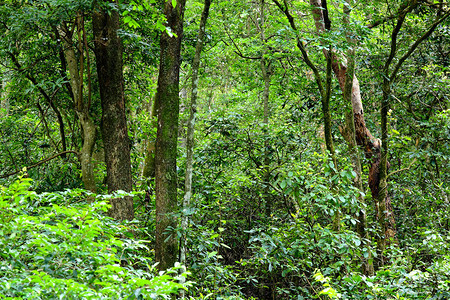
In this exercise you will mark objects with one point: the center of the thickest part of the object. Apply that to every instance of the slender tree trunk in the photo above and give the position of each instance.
(325, 92)
(167, 104)
(81, 109)
(191, 128)
(266, 73)
(349, 134)
(108, 52)
(386, 220)
(148, 171)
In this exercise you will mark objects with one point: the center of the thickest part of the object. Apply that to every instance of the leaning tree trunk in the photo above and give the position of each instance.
(108, 52)
(167, 107)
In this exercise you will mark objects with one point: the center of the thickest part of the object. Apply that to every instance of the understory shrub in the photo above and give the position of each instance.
(61, 246)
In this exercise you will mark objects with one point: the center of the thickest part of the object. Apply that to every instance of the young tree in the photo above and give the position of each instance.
(191, 121)
(75, 66)
(386, 221)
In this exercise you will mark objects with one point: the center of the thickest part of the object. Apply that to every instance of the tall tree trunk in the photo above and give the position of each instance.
(108, 52)
(349, 134)
(167, 107)
(81, 109)
(266, 74)
(191, 128)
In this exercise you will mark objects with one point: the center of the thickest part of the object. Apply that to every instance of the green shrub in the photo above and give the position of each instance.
(58, 246)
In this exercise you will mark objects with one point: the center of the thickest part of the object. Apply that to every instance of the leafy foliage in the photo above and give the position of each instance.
(56, 245)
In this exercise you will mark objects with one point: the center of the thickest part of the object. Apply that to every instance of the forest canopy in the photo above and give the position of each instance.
(212, 149)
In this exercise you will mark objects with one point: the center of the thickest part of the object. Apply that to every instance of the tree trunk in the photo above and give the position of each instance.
(108, 52)
(82, 110)
(349, 134)
(266, 74)
(148, 171)
(385, 217)
(167, 107)
(191, 128)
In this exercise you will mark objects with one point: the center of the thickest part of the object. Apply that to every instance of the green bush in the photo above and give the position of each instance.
(59, 246)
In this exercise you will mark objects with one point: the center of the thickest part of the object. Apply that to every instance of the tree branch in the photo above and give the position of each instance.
(416, 44)
(41, 162)
(300, 46)
(401, 170)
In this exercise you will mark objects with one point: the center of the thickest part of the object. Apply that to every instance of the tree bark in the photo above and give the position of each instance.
(82, 110)
(167, 104)
(148, 171)
(349, 134)
(191, 128)
(108, 52)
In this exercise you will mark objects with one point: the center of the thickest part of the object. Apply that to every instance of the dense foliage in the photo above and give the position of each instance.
(274, 213)
(62, 246)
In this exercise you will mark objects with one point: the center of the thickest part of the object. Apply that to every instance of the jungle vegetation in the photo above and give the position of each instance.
(224, 149)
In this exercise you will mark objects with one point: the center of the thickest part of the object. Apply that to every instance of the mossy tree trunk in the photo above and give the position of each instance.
(167, 108)
(108, 52)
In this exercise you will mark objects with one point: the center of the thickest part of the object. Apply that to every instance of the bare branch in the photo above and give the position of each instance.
(41, 162)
